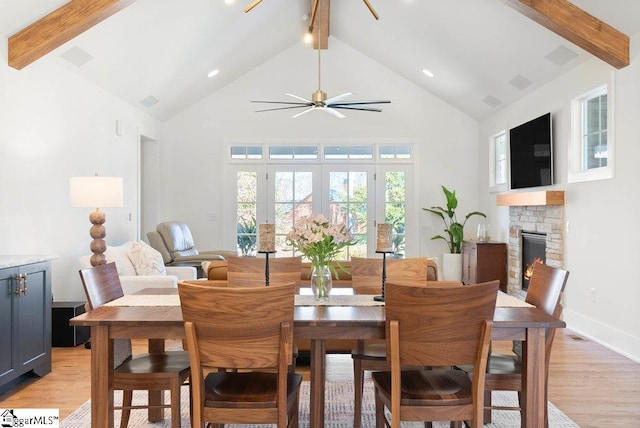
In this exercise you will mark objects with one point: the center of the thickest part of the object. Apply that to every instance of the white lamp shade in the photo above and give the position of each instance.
(96, 192)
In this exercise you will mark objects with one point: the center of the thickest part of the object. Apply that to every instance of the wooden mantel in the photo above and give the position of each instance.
(544, 197)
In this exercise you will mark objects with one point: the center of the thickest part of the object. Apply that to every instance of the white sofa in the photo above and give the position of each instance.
(131, 281)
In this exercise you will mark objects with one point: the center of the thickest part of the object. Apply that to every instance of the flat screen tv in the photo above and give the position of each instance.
(531, 153)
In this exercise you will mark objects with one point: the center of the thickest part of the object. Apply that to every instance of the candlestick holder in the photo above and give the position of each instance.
(266, 265)
(384, 274)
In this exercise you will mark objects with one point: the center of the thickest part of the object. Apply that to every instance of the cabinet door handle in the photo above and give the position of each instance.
(21, 287)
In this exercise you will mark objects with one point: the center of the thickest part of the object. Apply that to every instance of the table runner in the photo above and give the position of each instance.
(504, 300)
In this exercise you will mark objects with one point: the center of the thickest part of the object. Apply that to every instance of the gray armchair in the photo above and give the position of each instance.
(174, 241)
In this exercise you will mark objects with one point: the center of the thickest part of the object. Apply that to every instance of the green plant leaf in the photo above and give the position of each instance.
(454, 229)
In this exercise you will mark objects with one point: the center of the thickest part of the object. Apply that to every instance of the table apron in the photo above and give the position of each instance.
(337, 332)
(146, 332)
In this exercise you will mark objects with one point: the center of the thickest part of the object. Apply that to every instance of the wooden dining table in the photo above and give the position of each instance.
(317, 323)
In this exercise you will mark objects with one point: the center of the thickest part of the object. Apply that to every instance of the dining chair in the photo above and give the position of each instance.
(240, 341)
(436, 327)
(366, 278)
(250, 271)
(504, 371)
(155, 371)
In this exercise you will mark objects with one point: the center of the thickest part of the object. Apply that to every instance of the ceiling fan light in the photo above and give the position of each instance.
(308, 38)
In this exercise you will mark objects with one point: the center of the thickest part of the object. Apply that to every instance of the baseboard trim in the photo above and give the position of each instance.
(612, 338)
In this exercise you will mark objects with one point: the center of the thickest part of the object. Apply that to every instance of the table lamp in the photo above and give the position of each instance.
(96, 192)
(267, 245)
(384, 245)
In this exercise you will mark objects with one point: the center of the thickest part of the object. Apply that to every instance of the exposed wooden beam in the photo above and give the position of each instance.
(578, 27)
(319, 23)
(58, 27)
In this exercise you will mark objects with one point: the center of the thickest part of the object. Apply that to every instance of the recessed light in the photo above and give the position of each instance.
(427, 72)
(228, 1)
(213, 73)
(308, 37)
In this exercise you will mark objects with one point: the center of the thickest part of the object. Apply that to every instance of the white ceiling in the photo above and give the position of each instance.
(165, 48)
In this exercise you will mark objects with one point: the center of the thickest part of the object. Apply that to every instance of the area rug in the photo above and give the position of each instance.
(338, 411)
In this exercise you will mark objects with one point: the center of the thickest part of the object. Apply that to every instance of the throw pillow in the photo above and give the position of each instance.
(120, 255)
(146, 260)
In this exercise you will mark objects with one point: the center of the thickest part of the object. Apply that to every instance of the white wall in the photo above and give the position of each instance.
(601, 249)
(54, 126)
(193, 142)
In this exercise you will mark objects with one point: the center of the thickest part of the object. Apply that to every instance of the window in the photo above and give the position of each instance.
(246, 214)
(345, 182)
(591, 156)
(498, 161)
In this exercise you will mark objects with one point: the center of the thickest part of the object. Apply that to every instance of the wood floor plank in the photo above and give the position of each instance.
(593, 385)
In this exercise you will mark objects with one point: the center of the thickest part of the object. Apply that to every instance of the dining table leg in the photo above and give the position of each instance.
(534, 379)
(101, 377)
(156, 397)
(316, 390)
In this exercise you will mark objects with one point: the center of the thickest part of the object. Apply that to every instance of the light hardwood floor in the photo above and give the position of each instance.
(593, 385)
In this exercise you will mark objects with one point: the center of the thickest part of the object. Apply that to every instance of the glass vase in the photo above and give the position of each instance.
(321, 281)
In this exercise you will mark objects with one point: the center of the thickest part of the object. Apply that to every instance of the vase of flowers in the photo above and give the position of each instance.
(320, 242)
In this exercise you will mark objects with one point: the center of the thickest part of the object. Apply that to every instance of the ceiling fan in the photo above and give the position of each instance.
(320, 101)
(315, 8)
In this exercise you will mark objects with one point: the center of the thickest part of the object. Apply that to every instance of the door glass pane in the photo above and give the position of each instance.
(348, 205)
(293, 200)
(395, 208)
(246, 213)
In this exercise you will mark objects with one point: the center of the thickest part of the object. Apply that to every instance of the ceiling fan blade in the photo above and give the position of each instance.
(357, 108)
(303, 112)
(334, 112)
(280, 108)
(283, 102)
(337, 98)
(373, 12)
(252, 5)
(354, 103)
(300, 98)
(313, 15)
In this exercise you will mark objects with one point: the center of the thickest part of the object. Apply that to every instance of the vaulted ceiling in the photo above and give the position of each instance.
(156, 54)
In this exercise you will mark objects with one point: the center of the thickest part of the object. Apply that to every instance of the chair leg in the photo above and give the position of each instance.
(379, 406)
(127, 398)
(487, 407)
(358, 383)
(176, 417)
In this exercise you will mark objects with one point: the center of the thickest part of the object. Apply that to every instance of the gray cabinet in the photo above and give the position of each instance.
(25, 320)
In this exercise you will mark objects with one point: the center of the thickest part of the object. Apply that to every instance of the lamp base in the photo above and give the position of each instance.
(98, 246)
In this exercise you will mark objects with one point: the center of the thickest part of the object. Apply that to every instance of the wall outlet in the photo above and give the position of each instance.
(592, 294)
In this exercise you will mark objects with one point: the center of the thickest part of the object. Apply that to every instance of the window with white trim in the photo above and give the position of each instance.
(498, 161)
(591, 155)
(353, 184)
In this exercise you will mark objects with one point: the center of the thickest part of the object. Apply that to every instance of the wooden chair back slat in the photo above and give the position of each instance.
(440, 326)
(101, 284)
(250, 271)
(238, 327)
(546, 286)
(366, 273)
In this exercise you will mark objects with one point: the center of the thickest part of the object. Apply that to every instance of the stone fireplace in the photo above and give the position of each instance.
(538, 213)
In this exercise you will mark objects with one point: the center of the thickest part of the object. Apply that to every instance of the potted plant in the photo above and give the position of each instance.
(455, 233)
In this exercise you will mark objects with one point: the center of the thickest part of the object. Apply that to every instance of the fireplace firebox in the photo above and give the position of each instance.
(534, 247)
